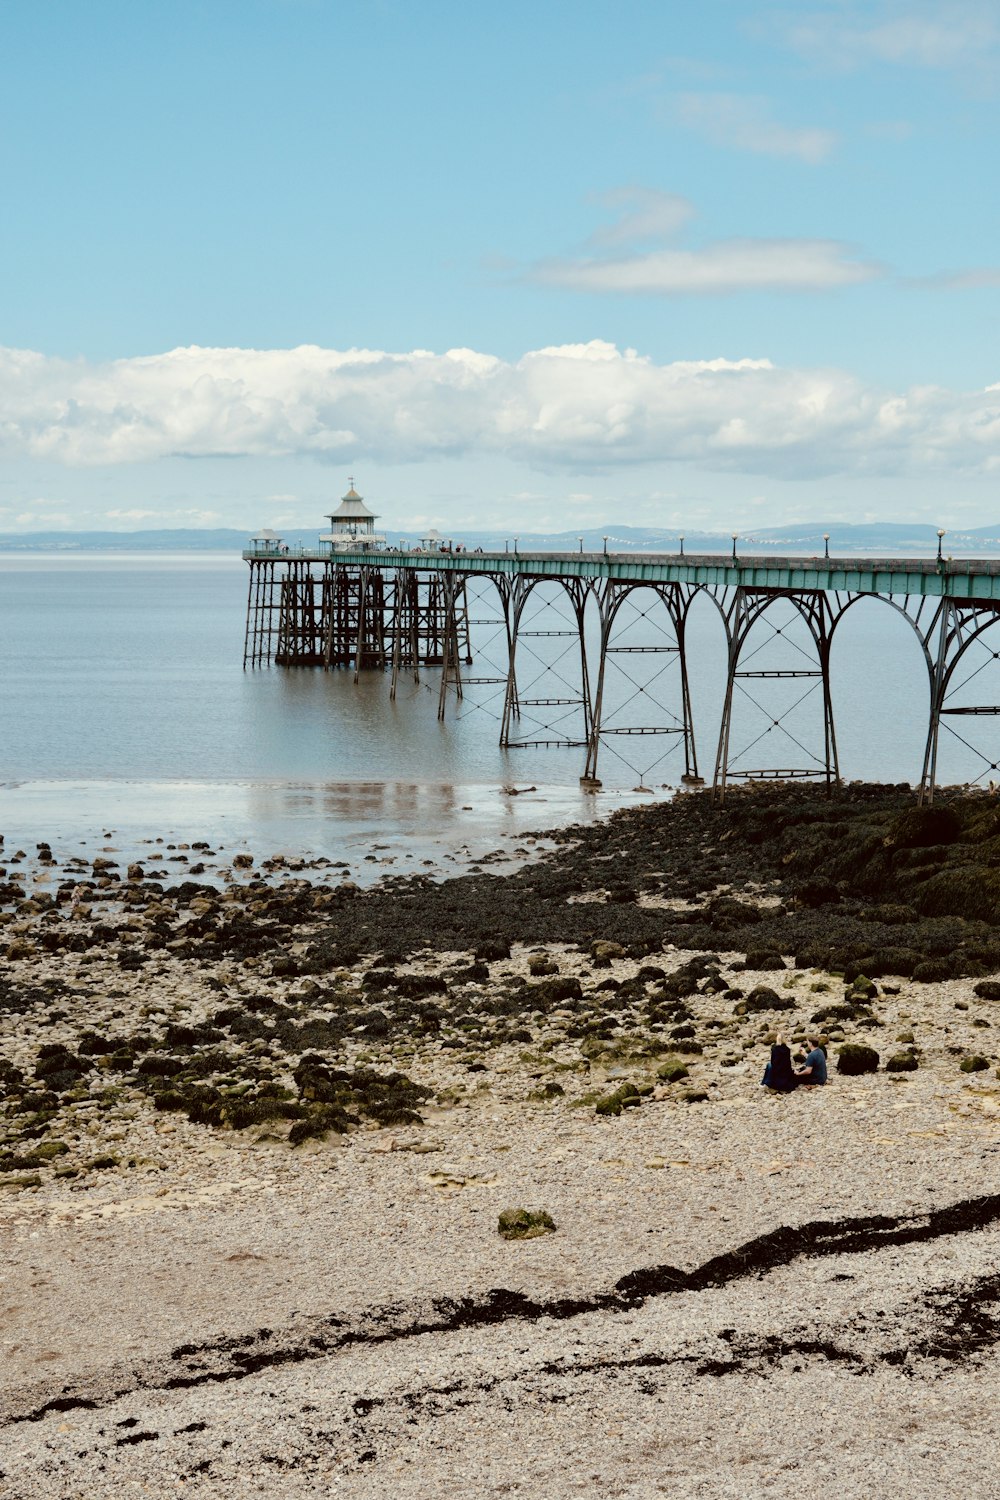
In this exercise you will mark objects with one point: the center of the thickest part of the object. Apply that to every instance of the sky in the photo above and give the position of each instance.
(537, 265)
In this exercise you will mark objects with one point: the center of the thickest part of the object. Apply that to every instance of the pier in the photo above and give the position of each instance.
(539, 635)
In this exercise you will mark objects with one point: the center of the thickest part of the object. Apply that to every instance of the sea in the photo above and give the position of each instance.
(126, 715)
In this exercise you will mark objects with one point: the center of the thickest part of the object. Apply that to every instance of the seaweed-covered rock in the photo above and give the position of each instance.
(764, 958)
(524, 1223)
(987, 989)
(974, 1064)
(540, 964)
(847, 1011)
(625, 1096)
(727, 911)
(902, 1062)
(763, 998)
(555, 991)
(922, 827)
(933, 971)
(815, 891)
(853, 1058)
(672, 1071)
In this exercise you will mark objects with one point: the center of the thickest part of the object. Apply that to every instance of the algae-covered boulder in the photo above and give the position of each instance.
(974, 1064)
(602, 952)
(922, 827)
(815, 891)
(902, 1062)
(727, 911)
(625, 1096)
(524, 1223)
(933, 971)
(764, 998)
(672, 1071)
(764, 958)
(540, 964)
(853, 1058)
(987, 989)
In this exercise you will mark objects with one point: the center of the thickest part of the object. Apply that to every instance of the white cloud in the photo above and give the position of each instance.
(940, 34)
(661, 269)
(744, 123)
(737, 265)
(575, 408)
(133, 514)
(642, 214)
(970, 280)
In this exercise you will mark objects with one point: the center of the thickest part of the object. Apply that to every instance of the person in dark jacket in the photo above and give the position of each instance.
(779, 1073)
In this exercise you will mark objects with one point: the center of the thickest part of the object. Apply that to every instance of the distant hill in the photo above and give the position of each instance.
(886, 538)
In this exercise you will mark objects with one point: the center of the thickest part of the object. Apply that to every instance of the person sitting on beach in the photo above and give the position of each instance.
(779, 1074)
(813, 1070)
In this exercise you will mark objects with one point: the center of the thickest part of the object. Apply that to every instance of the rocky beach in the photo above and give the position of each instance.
(470, 1186)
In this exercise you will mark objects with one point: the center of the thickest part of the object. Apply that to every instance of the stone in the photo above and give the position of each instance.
(672, 1071)
(540, 963)
(764, 998)
(524, 1223)
(902, 1062)
(973, 1064)
(854, 1059)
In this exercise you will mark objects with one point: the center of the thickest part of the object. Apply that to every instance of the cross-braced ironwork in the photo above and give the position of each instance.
(962, 659)
(546, 703)
(642, 648)
(532, 652)
(755, 669)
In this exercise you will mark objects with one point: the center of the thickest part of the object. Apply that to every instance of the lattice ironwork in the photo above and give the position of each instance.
(760, 623)
(547, 698)
(642, 682)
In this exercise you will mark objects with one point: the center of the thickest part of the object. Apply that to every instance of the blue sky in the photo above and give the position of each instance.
(788, 213)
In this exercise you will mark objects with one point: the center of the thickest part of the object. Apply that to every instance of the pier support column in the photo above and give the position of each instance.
(811, 666)
(961, 626)
(263, 606)
(567, 624)
(630, 717)
(455, 612)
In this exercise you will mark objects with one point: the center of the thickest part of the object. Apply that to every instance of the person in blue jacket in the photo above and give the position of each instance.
(813, 1070)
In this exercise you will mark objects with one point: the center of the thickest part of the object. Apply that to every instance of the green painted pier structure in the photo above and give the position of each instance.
(356, 604)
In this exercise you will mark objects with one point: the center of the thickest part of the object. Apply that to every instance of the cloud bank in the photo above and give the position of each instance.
(570, 408)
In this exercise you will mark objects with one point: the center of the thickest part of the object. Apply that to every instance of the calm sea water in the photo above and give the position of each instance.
(125, 704)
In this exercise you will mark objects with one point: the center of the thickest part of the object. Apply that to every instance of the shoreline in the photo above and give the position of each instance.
(191, 1298)
(368, 828)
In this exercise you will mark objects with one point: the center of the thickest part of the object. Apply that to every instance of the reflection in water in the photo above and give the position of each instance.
(428, 826)
(124, 698)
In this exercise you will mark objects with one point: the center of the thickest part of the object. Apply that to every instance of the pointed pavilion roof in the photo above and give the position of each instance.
(352, 507)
